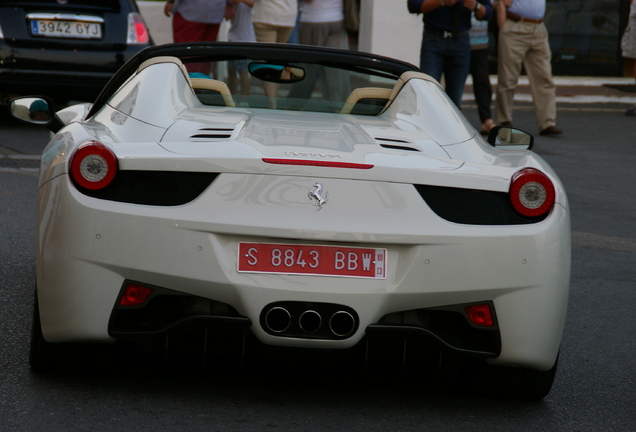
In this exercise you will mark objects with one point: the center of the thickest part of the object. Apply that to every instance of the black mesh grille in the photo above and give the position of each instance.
(163, 312)
(158, 188)
(472, 206)
(449, 325)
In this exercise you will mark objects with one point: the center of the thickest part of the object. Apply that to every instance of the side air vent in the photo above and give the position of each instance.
(396, 144)
(472, 206)
(212, 133)
(155, 188)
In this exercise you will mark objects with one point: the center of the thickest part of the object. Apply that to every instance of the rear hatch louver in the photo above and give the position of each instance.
(396, 144)
(213, 134)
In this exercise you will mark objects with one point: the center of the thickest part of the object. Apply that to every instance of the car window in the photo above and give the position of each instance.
(296, 86)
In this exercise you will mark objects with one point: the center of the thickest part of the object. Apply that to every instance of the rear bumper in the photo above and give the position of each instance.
(88, 248)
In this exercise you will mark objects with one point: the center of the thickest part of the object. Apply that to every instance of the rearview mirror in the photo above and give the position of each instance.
(31, 109)
(36, 110)
(508, 138)
(282, 74)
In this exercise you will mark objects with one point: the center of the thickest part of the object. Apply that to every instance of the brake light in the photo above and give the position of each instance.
(317, 163)
(532, 192)
(137, 30)
(93, 166)
(480, 315)
(135, 295)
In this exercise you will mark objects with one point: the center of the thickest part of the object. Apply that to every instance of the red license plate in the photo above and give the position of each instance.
(312, 260)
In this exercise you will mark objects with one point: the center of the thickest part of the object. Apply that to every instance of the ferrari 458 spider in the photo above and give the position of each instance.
(297, 197)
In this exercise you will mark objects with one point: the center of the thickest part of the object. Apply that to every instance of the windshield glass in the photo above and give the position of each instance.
(297, 86)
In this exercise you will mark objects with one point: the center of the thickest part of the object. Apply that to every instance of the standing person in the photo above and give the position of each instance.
(197, 20)
(322, 24)
(241, 30)
(523, 40)
(274, 20)
(480, 73)
(446, 43)
(628, 45)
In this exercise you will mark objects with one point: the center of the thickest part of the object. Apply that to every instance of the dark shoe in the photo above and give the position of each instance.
(631, 112)
(486, 126)
(551, 130)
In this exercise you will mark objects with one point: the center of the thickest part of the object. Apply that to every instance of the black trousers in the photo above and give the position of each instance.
(481, 82)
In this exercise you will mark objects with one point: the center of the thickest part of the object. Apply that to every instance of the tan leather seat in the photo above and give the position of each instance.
(213, 85)
(374, 95)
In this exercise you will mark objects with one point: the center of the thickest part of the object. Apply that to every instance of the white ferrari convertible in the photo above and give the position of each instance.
(296, 197)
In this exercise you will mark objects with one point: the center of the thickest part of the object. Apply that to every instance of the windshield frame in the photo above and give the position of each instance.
(355, 61)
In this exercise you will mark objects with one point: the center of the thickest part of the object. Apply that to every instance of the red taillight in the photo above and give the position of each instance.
(317, 163)
(137, 31)
(93, 166)
(532, 193)
(480, 315)
(135, 295)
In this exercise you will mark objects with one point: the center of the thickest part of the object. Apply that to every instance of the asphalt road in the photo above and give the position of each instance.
(595, 386)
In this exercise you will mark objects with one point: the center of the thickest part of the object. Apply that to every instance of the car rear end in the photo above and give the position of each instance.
(67, 50)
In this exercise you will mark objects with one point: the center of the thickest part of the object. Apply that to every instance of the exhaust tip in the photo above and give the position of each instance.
(277, 319)
(310, 321)
(342, 323)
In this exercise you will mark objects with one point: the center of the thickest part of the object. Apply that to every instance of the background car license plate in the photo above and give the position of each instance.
(312, 260)
(66, 29)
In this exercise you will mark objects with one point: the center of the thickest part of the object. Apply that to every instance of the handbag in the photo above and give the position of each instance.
(352, 15)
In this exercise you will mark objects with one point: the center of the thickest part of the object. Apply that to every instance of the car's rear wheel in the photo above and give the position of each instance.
(45, 357)
(511, 382)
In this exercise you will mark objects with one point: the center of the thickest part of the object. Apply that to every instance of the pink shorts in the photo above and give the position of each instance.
(188, 31)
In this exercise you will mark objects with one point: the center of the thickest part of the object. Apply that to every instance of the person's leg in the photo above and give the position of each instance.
(431, 56)
(481, 86)
(245, 82)
(188, 31)
(308, 34)
(232, 80)
(456, 67)
(283, 33)
(336, 83)
(264, 32)
(539, 69)
(512, 50)
(267, 33)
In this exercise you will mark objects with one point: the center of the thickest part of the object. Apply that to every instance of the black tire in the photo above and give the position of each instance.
(511, 382)
(45, 357)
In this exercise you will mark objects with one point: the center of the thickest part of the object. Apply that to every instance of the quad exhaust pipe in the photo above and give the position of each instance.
(310, 321)
(342, 323)
(277, 319)
(293, 319)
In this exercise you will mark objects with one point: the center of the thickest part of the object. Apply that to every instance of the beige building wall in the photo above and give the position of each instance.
(388, 29)
(159, 25)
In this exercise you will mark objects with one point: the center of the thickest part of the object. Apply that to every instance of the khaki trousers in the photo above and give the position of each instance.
(525, 43)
